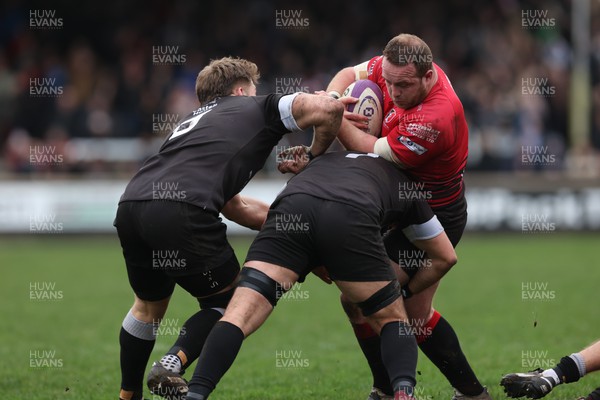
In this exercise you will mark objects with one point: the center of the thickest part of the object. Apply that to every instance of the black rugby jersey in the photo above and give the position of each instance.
(369, 183)
(212, 154)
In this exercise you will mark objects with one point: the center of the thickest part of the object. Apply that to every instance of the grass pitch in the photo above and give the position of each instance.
(516, 301)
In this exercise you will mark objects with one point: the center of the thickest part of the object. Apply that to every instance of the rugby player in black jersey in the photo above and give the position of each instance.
(168, 217)
(341, 202)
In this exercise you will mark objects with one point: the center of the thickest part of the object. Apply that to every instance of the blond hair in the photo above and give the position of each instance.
(219, 77)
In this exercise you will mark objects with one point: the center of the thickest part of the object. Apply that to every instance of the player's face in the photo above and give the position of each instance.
(404, 86)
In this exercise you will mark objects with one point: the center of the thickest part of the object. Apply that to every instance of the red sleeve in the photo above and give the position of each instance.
(420, 137)
(374, 69)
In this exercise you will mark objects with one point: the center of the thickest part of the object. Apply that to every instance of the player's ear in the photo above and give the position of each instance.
(244, 90)
(238, 91)
(429, 74)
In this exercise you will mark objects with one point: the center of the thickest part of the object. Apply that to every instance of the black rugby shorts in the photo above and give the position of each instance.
(167, 242)
(303, 232)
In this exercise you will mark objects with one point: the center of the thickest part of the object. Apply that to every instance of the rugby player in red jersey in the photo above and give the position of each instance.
(424, 132)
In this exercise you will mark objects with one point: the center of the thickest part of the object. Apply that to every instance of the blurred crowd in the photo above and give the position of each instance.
(78, 79)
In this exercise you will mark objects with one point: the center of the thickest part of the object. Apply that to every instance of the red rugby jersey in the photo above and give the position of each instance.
(430, 139)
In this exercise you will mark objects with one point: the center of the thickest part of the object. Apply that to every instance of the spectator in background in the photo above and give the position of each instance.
(105, 57)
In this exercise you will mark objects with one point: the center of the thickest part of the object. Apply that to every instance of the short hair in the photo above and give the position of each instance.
(219, 77)
(406, 49)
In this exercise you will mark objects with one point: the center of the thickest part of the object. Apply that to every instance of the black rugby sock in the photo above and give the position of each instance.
(567, 370)
(135, 353)
(221, 348)
(370, 344)
(399, 354)
(443, 349)
(192, 336)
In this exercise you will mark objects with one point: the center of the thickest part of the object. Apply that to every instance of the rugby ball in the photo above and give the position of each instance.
(369, 104)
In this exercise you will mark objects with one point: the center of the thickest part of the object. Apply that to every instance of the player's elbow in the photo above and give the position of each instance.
(319, 111)
(449, 261)
(348, 73)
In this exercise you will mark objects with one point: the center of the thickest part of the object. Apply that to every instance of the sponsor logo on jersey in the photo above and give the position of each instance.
(412, 146)
(390, 116)
(423, 132)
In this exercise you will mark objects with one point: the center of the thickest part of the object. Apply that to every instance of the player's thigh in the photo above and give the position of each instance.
(210, 283)
(249, 307)
(358, 292)
(287, 238)
(349, 243)
(185, 238)
(189, 246)
(148, 283)
(379, 296)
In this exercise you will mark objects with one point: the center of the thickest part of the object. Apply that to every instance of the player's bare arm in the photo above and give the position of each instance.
(246, 211)
(355, 139)
(441, 258)
(341, 80)
(324, 113)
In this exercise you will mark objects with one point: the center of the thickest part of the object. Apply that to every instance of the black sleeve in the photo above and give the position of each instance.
(420, 212)
(273, 117)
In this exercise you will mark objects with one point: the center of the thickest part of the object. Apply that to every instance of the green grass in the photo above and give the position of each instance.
(481, 297)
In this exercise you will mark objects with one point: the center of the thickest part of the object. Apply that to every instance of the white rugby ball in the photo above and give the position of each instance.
(369, 104)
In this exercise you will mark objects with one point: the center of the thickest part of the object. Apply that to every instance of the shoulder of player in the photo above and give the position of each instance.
(376, 61)
(374, 68)
(443, 89)
(439, 105)
(258, 102)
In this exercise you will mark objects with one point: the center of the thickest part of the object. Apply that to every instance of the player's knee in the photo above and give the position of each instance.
(138, 328)
(378, 321)
(149, 311)
(393, 312)
(380, 300)
(260, 282)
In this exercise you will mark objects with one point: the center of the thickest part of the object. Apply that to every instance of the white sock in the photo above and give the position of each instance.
(579, 360)
(171, 362)
(550, 373)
